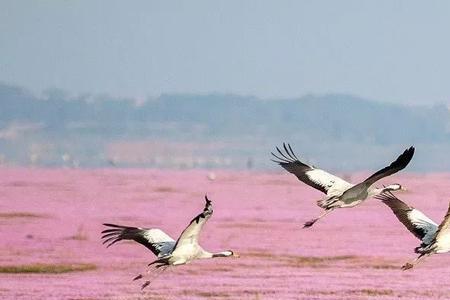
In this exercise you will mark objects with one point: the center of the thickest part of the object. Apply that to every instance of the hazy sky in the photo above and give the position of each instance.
(387, 50)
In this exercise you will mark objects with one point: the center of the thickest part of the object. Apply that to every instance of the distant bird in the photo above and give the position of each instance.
(340, 193)
(435, 239)
(168, 251)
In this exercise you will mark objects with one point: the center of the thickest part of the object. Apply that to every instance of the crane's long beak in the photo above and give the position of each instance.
(403, 189)
(236, 255)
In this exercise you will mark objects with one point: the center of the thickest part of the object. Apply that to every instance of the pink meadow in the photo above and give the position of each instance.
(50, 224)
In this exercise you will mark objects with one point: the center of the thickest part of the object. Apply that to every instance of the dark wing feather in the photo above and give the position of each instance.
(191, 233)
(316, 178)
(400, 163)
(155, 240)
(414, 220)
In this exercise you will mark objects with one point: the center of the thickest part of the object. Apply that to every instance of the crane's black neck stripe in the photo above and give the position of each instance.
(200, 216)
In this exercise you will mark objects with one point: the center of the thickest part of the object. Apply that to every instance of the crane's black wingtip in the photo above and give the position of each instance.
(113, 225)
(284, 157)
(276, 161)
(409, 152)
(207, 199)
(406, 156)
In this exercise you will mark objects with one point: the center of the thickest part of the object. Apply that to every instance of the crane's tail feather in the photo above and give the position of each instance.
(327, 203)
(322, 203)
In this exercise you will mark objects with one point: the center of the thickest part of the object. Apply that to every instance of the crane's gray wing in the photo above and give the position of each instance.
(399, 164)
(414, 220)
(191, 234)
(317, 178)
(154, 239)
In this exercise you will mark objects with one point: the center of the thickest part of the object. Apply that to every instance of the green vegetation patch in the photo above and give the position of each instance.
(10, 215)
(47, 268)
(303, 261)
(165, 189)
(371, 292)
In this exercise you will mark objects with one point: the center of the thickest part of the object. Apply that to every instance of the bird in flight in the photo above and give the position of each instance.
(339, 193)
(168, 251)
(434, 238)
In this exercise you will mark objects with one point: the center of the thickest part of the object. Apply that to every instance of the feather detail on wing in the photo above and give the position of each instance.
(154, 239)
(399, 164)
(191, 234)
(414, 220)
(442, 239)
(316, 178)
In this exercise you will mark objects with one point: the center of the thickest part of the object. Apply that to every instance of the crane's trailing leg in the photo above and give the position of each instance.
(154, 274)
(311, 222)
(145, 284)
(155, 269)
(138, 277)
(410, 265)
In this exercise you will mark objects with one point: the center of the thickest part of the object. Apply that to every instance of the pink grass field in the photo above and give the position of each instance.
(55, 217)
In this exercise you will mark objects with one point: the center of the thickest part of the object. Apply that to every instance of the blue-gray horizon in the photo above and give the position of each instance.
(340, 132)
